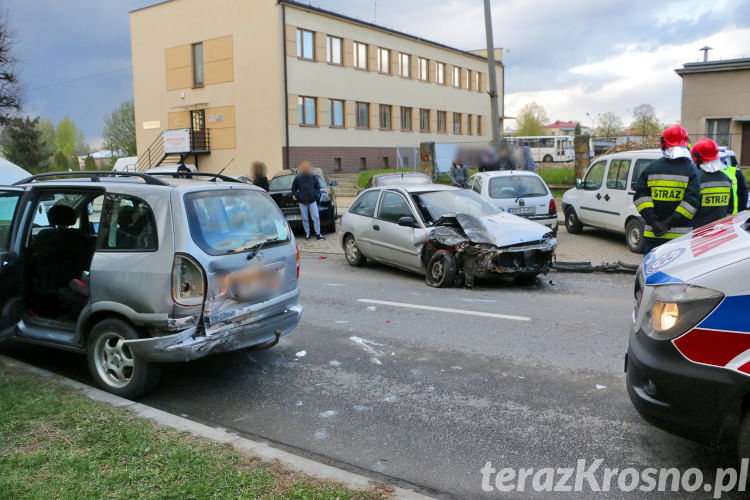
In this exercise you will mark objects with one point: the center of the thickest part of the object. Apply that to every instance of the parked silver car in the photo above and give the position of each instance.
(448, 234)
(135, 269)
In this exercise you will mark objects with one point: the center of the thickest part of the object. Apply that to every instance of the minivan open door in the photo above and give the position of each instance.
(11, 305)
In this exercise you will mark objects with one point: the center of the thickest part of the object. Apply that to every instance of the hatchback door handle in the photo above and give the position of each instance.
(606, 197)
(376, 227)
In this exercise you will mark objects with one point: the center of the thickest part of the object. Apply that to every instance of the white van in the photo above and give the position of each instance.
(604, 198)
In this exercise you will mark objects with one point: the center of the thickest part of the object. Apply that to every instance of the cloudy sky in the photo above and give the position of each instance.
(573, 57)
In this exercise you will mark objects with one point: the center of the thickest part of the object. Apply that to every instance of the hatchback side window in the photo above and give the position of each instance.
(478, 185)
(8, 204)
(617, 175)
(595, 176)
(365, 204)
(126, 224)
(640, 166)
(393, 206)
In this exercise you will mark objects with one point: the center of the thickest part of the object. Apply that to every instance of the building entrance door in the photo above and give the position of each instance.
(745, 155)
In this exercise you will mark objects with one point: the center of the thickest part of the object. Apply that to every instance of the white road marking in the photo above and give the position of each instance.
(445, 309)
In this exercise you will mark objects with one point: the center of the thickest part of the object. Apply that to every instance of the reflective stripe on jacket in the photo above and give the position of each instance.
(731, 172)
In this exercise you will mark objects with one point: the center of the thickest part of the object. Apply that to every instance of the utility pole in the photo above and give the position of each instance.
(497, 134)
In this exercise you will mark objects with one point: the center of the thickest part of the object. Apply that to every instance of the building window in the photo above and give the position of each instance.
(424, 69)
(360, 55)
(440, 76)
(456, 76)
(308, 111)
(468, 79)
(305, 44)
(718, 130)
(386, 163)
(404, 65)
(385, 117)
(363, 115)
(457, 123)
(336, 113)
(337, 163)
(479, 125)
(404, 162)
(477, 81)
(363, 163)
(470, 124)
(384, 60)
(424, 120)
(405, 118)
(441, 122)
(198, 80)
(334, 49)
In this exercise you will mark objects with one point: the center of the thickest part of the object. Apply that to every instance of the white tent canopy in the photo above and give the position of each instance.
(10, 173)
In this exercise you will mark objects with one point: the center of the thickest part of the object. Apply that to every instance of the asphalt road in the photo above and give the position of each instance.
(427, 397)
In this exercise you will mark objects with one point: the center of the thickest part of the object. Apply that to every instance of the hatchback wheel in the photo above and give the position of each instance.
(353, 256)
(634, 235)
(112, 363)
(572, 223)
(441, 270)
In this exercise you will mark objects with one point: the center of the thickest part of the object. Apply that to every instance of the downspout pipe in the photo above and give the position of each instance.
(286, 86)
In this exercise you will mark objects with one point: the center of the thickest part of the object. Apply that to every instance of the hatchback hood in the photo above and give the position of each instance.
(501, 230)
(710, 247)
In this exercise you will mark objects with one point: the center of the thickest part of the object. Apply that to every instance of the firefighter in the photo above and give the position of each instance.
(739, 185)
(667, 194)
(717, 197)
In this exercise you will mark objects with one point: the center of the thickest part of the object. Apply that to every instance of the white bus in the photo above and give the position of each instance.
(546, 148)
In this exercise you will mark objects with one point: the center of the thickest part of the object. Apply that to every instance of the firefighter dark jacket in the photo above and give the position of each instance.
(717, 199)
(668, 191)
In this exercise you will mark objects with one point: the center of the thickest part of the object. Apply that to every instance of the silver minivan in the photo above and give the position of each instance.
(135, 270)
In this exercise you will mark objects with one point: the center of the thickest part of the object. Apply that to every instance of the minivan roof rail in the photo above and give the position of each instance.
(95, 176)
(189, 175)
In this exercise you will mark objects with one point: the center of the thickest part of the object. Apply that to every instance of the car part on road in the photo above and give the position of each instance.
(572, 223)
(112, 363)
(588, 267)
(634, 235)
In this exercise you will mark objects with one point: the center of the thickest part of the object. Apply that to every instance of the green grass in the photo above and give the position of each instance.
(55, 443)
(558, 175)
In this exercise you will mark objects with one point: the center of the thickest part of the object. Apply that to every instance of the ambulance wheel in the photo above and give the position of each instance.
(634, 235)
(743, 437)
(572, 223)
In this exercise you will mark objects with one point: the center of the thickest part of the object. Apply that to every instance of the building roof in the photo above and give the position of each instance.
(564, 125)
(311, 8)
(713, 66)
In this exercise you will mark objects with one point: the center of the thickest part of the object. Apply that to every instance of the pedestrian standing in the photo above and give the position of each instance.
(717, 198)
(667, 193)
(459, 173)
(259, 170)
(527, 161)
(306, 189)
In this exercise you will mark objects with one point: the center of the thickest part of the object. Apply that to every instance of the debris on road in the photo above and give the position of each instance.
(301, 354)
(588, 267)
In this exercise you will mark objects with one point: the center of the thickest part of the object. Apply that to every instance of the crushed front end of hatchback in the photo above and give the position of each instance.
(501, 245)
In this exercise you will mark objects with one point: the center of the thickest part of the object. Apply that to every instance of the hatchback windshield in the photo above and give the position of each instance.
(517, 186)
(284, 182)
(435, 204)
(234, 220)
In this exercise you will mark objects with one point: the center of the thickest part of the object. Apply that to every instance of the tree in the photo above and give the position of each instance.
(119, 130)
(608, 124)
(10, 89)
(531, 120)
(60, 162)
(90, 163)
(577, 130)
(23, 144)
(644, 120)
(69, 139)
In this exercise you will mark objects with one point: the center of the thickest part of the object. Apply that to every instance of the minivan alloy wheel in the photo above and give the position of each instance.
(114, 360)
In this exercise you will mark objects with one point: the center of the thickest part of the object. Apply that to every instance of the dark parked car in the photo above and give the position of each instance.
(280, 189)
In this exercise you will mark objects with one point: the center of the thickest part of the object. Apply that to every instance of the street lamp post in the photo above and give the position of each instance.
(497, 134)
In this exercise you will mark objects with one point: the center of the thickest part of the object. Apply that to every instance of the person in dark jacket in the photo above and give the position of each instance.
(459, 173)
(306, 189)
(717, 197)
(667, 194)
(259, 175)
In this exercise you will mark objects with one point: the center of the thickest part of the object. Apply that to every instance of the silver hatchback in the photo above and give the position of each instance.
(134, 270)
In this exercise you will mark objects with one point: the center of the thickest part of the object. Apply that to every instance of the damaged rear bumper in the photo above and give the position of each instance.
(194, 343)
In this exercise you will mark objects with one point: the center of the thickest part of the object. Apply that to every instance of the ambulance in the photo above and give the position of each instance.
(688, 359)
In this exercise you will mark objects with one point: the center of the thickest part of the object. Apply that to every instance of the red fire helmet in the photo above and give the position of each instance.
(705, 150)
(674, 136)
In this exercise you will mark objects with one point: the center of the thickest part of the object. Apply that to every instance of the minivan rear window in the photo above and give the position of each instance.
(234, 220)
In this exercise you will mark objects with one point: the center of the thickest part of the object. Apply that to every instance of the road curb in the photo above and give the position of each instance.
(259, 449)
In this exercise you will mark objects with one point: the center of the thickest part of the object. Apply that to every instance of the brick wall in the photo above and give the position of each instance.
(324, 158)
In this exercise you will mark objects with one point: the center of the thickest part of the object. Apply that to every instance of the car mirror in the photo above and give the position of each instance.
(334, 183)
(579, 183)
(407, 222)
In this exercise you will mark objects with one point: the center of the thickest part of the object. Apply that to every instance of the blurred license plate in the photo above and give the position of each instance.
(293, 217)
(521, 210)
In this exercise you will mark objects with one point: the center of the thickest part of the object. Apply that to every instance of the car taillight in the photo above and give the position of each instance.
(297, 258)
(552, 207)
(188, 281)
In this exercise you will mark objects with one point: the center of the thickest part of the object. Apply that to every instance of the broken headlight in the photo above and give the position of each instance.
(673, 309)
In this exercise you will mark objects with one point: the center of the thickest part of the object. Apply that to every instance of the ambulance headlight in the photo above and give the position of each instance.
(676, 308)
